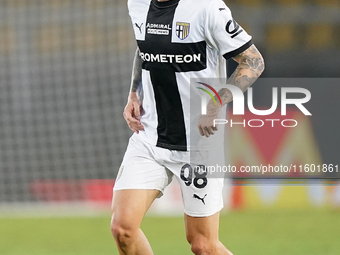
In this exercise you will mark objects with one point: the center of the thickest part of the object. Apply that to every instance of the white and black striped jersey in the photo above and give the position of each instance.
(179, 40)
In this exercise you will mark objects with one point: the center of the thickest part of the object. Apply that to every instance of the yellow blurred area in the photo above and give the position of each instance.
(25, 3)
(56, 3)
(290, 2)
(319, 36)
(286, 197)
(253, 3)
(19, 3)
(53, 39)
(332, 3)
(280, 37)
(257, 3)
(287, 3)
(95, 4)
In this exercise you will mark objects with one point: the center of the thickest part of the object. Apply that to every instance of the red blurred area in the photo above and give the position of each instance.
(93, 190)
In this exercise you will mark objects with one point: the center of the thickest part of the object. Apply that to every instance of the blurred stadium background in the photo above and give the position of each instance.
(64, 77)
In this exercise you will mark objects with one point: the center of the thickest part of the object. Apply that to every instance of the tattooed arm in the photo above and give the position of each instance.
(133, 108)
(136, 77)
(251, 66)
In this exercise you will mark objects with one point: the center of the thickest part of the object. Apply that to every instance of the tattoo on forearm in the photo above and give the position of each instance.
(136, 78)
(249, 69)
(211, 109)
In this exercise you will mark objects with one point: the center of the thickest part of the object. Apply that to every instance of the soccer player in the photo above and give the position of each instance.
(178, 40)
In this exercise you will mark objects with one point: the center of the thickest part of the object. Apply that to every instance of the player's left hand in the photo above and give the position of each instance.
(206, 125)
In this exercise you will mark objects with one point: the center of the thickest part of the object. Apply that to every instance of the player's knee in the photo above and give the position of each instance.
(202, 246)
(123, 235)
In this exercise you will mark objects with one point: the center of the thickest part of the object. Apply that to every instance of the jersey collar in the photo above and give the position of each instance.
(165, 3)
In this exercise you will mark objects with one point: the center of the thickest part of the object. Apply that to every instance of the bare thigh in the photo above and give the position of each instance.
(129, 206)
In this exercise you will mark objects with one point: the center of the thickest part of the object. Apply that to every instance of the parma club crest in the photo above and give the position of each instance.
(182, 30)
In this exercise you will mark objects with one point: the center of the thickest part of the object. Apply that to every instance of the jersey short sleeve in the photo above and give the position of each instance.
(223, 32)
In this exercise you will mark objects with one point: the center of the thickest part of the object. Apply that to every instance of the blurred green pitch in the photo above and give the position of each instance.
(250, 232)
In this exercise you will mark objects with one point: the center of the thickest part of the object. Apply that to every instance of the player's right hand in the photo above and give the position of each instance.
(206, 125)
(132, 113)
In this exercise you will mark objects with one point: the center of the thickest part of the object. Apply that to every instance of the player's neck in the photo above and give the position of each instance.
(163, 0)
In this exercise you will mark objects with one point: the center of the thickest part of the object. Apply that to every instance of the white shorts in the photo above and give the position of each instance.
(146, 166)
